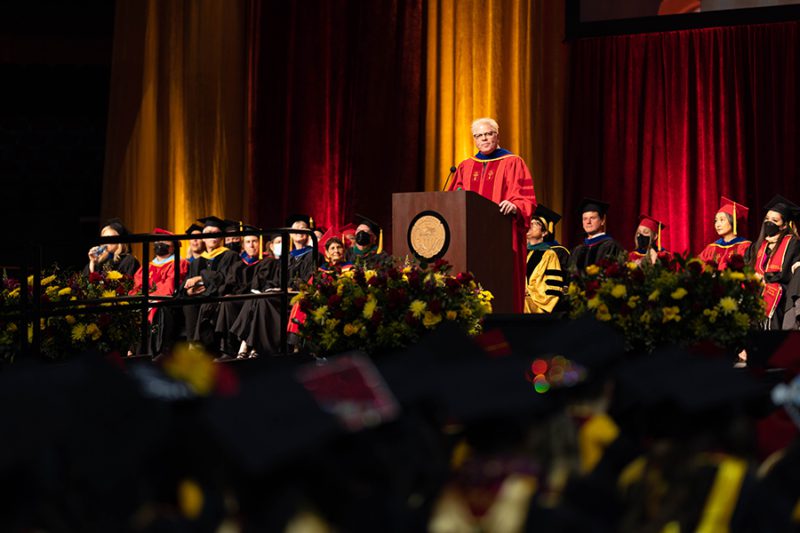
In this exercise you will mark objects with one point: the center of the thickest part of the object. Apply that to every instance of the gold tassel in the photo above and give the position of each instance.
(380, 241)
(734, 219)
(659, 237)
(310, 222)
(550, 228)
(260, 247)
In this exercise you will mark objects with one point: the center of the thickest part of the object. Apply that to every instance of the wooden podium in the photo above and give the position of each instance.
(462, 227)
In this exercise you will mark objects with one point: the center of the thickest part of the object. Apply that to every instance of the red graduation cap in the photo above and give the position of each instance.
(653, 225)
(735, 210)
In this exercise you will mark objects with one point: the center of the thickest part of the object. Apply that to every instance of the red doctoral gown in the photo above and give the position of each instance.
(503, 176)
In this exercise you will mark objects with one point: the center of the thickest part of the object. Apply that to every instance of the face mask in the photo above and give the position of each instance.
(642, 242)
(276, 250)
(771, 229)
(363, 238)
(235, 246)
(161, 248)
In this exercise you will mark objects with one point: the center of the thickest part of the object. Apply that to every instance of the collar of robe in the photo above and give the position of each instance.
(215, 253)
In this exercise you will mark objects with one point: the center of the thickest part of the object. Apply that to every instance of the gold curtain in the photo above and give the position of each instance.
(503, 59)
(176, 131)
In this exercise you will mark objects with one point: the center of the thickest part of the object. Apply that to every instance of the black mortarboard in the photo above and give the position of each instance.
(788, 209)
(117, 225)
(233, 225)
(194, 227)
(214, 222)
(591, 204)
(249, 228)
(299, 217)
(374, 226)
(547, 216)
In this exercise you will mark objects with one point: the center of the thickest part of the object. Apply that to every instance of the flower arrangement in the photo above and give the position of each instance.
(682, 300)
(388, 306)
(63, 335)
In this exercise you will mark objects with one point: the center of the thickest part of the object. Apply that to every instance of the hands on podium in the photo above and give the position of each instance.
(507, 208)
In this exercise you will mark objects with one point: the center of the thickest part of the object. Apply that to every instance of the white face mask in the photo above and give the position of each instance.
(276, 249)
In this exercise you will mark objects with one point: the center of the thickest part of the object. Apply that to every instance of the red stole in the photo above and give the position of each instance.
(772, 292)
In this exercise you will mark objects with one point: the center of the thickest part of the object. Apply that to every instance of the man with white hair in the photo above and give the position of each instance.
(497, 174)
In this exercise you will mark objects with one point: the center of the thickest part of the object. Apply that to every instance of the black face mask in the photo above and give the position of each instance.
(236, 246)
(363, 238)
(771, 229)
(161, 248)
(642, 242)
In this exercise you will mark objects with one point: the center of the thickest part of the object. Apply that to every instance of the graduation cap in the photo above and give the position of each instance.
(788, 209)
(653, 225)
(194, 227)
(161, 231)
(735, 210)
(591, 204)
(213, 222)
(373, 226)
(300, 217)
(548, 217)
(117, 225)
(233, 225)
(326, 236)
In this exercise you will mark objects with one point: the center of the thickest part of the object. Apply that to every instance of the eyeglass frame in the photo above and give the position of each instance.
(477, 136)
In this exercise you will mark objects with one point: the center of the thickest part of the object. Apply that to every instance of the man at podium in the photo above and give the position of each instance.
(497, 174)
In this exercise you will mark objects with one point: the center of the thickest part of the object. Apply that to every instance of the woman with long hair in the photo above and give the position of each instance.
(773, 256)
(114, 256)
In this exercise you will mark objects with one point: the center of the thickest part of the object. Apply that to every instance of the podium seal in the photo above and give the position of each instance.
(428, 236)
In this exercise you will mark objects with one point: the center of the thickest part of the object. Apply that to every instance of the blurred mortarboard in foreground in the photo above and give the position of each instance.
(592, 204)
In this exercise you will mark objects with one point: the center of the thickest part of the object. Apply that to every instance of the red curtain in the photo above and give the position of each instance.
(335, 108)
(665, 123)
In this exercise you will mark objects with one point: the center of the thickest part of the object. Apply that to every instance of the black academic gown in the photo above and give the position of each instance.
(369, 259)
(594, 249)
(241, 276)
(785, 279)
(259, 321)
(200, 318)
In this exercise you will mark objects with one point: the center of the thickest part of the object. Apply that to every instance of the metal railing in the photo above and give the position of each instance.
(31, 309)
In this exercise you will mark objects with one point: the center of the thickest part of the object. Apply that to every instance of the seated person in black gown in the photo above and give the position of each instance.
(115, 256)
(196, 246)
(597, 244)
(368, 247)
(208, 276)
(258, 325)
(544, 276)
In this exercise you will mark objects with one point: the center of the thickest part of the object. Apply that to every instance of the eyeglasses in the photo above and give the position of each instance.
(484, 135)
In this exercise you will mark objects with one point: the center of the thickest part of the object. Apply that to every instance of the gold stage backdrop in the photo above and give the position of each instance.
(504, 59)
(176, 132)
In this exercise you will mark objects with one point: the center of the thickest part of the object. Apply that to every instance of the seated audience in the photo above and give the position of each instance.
(115, 256)
(597, 244)
(648, 242)
(545, 279)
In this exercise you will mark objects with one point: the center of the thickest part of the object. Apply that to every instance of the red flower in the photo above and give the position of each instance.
(411, 320)
(334, 300)
(736, 262)
(393, 273)
(613, 270)
(435, 306)
(94, 277)
(359, 302)
(637, 275)
(377, 317)
(592, 287)
(464, 277)
(695, 268)
(441, 265)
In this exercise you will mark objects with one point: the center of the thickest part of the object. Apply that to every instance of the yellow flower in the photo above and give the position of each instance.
(602, 313)
(30, 280)
(741, 320)
(348, 273)
(592, 270)
(14, 293)
(350, 329)
(593, 302)
(369, 307)
(679, 293)
(93, 331)
(465, 311)
(11, 327)
(78, 332)
(113, 274)
(573, 289)
(619, 291)
(633, 301)
(728, 305)
(654, 295)
(645, 318)
(70, 319)
(48, 280)
(297, 297)
(671, 313)
(431, 319)
(486, 295)
(331, 323)
(369, 274)
(451, 315)
(318, 314)
(711, 314)
(735, 276)
(109, 294)
(417, 307)
(65, 291)
(632, 265)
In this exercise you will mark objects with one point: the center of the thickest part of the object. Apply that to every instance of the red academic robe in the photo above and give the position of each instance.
(721, 252)
(504, 176)
(162, 279)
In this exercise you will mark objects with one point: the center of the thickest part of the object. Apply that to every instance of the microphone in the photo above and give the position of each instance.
(452, 171)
